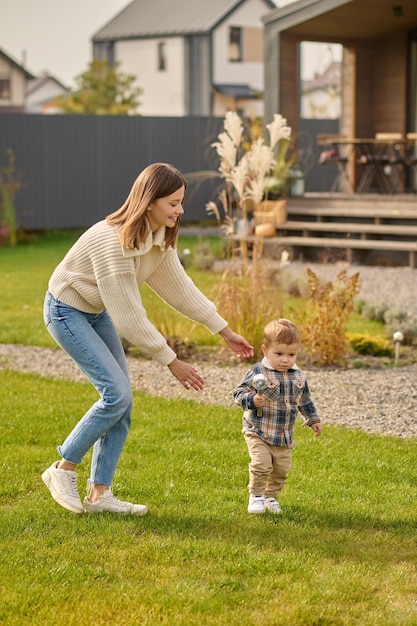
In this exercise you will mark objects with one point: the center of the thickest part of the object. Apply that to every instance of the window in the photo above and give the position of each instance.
(253, 45)
(4, 89)
(162, 65)
(235, 44)
(246, 44)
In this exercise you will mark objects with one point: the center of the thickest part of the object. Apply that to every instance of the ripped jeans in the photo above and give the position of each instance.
(94, 345)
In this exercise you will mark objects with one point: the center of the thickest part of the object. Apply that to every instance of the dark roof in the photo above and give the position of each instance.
(238, 91)
(332, 75)
(36, 83)
(343, 19)
(16, 64)
(154, 18)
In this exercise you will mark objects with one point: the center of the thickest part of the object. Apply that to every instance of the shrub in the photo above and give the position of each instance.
(203, 256)
(9, 186)
(373, 311)
(323, 325)
(249, 296)
(397, 320)
(362, 343)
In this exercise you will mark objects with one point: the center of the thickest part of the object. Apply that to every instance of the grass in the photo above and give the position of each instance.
(342, 553)
(24, 278)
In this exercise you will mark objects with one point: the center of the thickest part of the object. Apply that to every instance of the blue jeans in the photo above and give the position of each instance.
(94, 345)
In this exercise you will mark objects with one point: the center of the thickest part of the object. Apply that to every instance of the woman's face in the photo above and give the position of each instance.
(166, 211)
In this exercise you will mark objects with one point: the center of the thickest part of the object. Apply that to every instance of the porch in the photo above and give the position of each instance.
(370, 229)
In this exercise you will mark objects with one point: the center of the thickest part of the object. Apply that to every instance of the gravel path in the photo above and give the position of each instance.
(375, 400)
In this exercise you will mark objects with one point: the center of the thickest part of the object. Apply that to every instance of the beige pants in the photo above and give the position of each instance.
(269, 466)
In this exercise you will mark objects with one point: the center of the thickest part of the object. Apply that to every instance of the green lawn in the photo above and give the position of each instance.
(24, 275)
(343, 552)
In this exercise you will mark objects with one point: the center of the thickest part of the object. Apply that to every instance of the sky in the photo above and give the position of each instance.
(54, 36)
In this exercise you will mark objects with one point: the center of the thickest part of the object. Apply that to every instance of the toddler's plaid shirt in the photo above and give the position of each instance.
(286, 394)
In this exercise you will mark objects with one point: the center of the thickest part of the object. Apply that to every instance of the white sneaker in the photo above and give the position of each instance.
(108, 503)
(63, 486)
(272, 506)
(256, 504)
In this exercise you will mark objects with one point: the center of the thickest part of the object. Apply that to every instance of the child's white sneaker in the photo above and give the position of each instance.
(272, 506)
(256, 504)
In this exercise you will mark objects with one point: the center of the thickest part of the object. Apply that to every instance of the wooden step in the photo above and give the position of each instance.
(370, 211)
(358, 201)
(349, 228)
(329, 242)
(346, 243)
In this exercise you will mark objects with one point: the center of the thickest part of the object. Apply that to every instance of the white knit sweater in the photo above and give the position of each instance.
(98, 274)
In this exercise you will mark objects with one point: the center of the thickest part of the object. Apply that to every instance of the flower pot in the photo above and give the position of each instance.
(271, 212)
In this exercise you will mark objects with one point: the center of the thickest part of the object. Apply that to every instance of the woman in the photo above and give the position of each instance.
(93, 298)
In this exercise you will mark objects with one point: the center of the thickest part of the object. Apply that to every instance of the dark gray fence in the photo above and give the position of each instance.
(77, 169)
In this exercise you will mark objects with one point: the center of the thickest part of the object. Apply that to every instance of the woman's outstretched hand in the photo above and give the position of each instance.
(236, 342)
(186, 374)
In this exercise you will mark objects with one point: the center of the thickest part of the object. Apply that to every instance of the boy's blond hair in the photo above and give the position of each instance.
(281, 331)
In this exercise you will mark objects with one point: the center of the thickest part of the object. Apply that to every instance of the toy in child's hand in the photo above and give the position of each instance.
(259, 383)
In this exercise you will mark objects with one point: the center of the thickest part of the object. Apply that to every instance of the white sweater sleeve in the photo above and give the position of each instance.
(121, 297)
(171, 282)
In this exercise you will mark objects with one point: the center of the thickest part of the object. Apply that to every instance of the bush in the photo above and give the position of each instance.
(396, 320)
(249, 296)
(323, 325)
(372, 311)
(370, 345)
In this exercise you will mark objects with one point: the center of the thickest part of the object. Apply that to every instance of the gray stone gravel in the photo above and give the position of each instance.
(375, 400)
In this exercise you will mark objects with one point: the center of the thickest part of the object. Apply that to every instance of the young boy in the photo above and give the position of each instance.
(269, 415)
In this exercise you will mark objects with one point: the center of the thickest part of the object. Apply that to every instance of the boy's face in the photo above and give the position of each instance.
(281, 356)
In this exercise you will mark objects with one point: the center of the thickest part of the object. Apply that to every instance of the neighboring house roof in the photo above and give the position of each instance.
(11, 61)
(332, 76)
(143, 18)
(238, 92)
(35, 84)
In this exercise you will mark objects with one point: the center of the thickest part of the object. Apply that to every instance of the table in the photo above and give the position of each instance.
(382, 160)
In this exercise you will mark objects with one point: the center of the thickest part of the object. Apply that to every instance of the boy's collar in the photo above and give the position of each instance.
(268, 366)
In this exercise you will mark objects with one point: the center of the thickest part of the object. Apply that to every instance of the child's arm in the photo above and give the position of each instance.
(244, 393)
(308, 410)
(316, 427)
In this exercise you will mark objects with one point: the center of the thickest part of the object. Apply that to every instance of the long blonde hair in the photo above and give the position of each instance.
(155, 181)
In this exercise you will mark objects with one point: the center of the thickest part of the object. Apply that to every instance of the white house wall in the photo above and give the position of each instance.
(227, 72)
(162, 90)
(40, 100)
(17, 83)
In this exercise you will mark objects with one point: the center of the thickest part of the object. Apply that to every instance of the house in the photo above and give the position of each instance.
(321, 95)
(190, 58)
(378, 69)
(13, 81)
(379, 78)
(41, 93)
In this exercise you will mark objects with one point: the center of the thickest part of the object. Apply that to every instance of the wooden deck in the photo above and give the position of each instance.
(371, 229)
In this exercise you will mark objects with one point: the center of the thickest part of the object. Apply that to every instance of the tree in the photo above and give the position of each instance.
(101, 90)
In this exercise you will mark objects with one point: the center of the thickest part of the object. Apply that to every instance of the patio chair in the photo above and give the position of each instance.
(333, 157)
